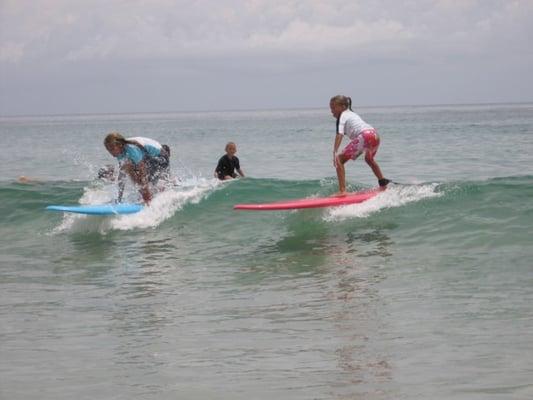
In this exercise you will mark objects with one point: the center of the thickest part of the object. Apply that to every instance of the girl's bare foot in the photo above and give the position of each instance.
(339, 194)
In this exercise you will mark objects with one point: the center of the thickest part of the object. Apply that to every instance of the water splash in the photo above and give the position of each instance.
(394, 196)
(163, 206)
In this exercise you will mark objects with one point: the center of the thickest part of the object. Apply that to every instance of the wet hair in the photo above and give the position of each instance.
(166, 149)
(229, 144)
(344, 101)
(116, 138)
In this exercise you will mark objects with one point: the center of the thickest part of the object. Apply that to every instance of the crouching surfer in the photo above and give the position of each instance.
(363, 139)
(145, 161)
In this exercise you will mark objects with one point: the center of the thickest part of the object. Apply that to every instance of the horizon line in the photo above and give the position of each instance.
(94, 114)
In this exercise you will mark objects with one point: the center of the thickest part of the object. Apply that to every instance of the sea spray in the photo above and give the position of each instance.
(163, 206)
(394, 196)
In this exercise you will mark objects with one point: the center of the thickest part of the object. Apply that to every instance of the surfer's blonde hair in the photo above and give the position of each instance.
(229, 144)
(114, 138)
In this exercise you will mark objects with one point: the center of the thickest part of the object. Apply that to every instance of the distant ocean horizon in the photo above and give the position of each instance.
(423, 292)
(267, 109)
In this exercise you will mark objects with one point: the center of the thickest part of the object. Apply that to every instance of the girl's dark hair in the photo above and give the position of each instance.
(342, 100)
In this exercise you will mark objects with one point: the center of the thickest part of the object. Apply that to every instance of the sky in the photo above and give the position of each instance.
(120, 56)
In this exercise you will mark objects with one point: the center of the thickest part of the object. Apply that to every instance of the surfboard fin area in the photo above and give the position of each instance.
(317, 202)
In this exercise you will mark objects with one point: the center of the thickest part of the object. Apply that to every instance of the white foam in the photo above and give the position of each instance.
(394, 196)
(163, 206)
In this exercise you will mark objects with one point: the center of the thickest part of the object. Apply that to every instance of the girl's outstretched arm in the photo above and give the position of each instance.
(336, 145)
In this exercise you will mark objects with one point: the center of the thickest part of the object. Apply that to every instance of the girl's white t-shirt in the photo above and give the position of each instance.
(351, 124)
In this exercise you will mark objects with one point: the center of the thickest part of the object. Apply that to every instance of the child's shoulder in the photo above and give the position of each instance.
(347, 113)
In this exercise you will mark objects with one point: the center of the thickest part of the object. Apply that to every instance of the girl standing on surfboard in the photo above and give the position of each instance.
(144, 160)
(363, 139)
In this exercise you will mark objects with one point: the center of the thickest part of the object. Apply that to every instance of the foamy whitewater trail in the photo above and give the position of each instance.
(163, 206)
(394, 196)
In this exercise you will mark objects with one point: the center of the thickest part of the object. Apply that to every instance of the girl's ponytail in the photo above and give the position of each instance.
(114, 138)
(345, 101)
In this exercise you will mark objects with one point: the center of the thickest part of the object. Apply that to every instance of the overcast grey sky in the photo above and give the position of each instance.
(107, 56)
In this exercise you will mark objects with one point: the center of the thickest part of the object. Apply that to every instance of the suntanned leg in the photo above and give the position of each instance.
(130, 170)
(375, 167)
(146, 194)
(341, 174)
(138, 176)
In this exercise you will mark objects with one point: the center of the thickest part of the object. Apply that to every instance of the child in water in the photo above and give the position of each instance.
(228, 163)
(363, 139)
(144, 160)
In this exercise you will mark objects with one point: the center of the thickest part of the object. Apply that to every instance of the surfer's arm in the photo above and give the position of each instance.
(240, 172)
(336, 145)
(218, 169)
(121, 182)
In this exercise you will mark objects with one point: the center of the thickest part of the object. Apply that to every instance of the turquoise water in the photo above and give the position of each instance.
(422, 292)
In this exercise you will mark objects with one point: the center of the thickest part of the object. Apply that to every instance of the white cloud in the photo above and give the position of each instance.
(11, 52)
(301, 36)
(89, 30)
(84, 30)
(287, 43)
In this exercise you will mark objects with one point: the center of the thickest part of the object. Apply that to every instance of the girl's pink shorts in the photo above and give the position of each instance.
(366, 142)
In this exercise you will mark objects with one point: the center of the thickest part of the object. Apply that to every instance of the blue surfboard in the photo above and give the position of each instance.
(99, 209)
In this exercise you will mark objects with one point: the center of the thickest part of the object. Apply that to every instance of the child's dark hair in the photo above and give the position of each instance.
(342, 100)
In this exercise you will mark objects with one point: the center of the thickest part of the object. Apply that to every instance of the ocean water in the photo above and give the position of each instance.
(424, 292)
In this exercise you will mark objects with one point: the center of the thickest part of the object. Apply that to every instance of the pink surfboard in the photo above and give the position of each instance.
(332, 201)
